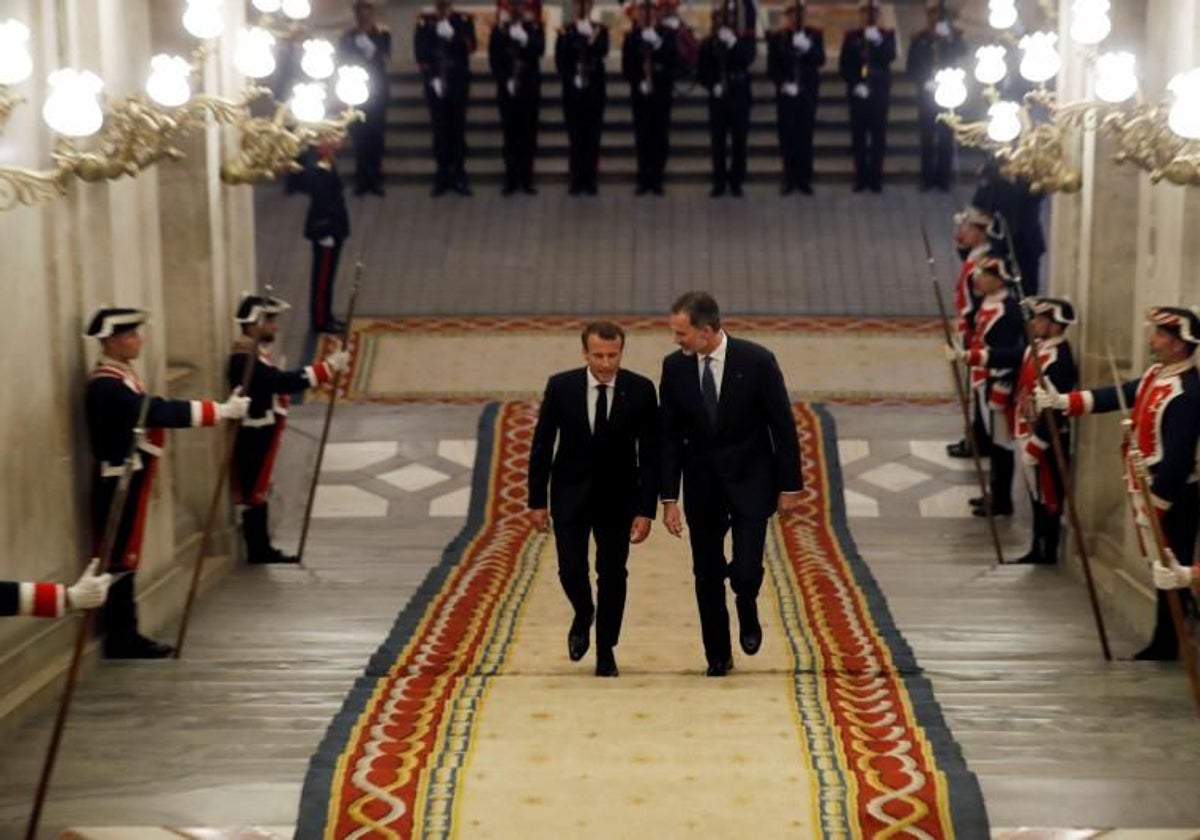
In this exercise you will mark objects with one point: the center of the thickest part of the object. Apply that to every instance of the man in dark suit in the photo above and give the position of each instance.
(865, 64)
(603, 482)
(369, 45)
(728, 431)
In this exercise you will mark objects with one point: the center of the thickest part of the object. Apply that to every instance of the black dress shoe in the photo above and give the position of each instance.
(276, 556)
(717, 191)
(786, 189)
(805, 188)
(641, 189)
(376, 190)
(1155, 653)
(997, 510)
(462, 187)
(590, 189)
(876, 188)
(719, 669)
(579, 637)
(736, 190)
(529, 189)
(958, 450)
(657, 189)
(975, 501)
(1033, 558)
(508, 190)
(859, 187)
(749, 630)
(137, 647)
(438, 190)
(574, 189)
(606, 663)
(925, 186)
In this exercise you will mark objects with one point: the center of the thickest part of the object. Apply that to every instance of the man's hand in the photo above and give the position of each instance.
(1049, 399)
(874, 35)
(540, 517)
(861, 91)
(727, 36)
(517, 33)
(791, 89)
(326, 241)
(235, 407)
(718, 90)
(584, 28)
(640, 529)
(942, 29)
(954, 353)
(91, 589)
(437, 86)
(337, 362)
(651, 37)
(788, 502)
(1172, 575)
(802, 42)
(672, 519)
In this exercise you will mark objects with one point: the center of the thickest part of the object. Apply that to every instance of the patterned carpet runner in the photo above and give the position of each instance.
(470, 721)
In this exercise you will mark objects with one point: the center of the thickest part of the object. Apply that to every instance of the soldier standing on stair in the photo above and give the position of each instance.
(326, 227)
(579, 57)
(724, 70)
(515, 52)
(648, 64)
(795, 56)
(937, 46)
(865, 65)
(443, 43)
(112, 405)
(368, 45)
(261, 431)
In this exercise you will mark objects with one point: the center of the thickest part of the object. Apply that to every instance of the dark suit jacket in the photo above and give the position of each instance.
(616, 477)
(751, 456)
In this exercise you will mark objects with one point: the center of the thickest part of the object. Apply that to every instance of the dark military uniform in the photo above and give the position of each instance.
(866, 64)
(516, 67)
(446, 68)
(725, 71)
(579, 60)
(368, 135)
(928, 53)
(327, 227)
(42, 600)
(650, 71)
(796, 73)
(1021, 209)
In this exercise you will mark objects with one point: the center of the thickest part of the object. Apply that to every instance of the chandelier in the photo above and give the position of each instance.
(1034, 135)
(100, 139)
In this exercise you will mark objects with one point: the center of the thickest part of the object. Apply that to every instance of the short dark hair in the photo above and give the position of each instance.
(606, 330)
(701, 309)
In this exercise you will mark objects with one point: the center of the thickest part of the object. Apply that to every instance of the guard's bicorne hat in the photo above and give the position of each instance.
(972, 215)
(1182, 320)
(996, 266)
(110, 320)
(1060, 311)
(254, 307)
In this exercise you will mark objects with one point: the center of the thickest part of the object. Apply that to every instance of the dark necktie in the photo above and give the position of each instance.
(708, 390)
(600, 423)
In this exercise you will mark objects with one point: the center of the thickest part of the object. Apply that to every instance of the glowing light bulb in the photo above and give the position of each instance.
(1002, 13)
(203, 18)
(16, 64)
(170, 80)
(1090, 23)
(267, 7)
(317, 61)
(951, 90)
(989, 64)
(73, 106)
(1040, 62)
(308, 102)
(296, 9)
(352, 86)
(1184, 114)
(254, 56)
(1004, 121)
(1116, 79)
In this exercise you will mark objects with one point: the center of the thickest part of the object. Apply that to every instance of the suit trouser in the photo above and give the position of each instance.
(706, 531)
(584, 114)
(868, 137)
(448, 116)
(651, 126)
(519, 122)
(1179, 526)
(368, 146)
(796, 120)
(612, 553)
(324, 272)
(1030, 264)
(937, 145)
(728, 124)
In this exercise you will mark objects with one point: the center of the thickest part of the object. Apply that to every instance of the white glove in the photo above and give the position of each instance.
(1140, 518)
(672, 22)
(235, 407)
(365, 45)
(1049, 399)
(954, 353)
(725, 34)
(644, 87)
(445, 29)
(931, 86)
(337, 362)
(651, 37)
(802, 42)
(578, 82)
(326, 242)
(861, 90)
(438, 87)
(584, 28)
(874, 35)
(718, 90)
(517, 33)
(942, 29)
(91, 589)
(1172, 575)
(511, 86)
(791, 89)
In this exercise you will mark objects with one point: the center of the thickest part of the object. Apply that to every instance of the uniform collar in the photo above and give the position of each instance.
(109, 361)
(1051, 342)
(979, 251)
(997, 296)
(1167, 371)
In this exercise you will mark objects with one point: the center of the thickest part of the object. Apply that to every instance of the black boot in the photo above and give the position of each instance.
(1002, 476)
(258, 538)
(121, 637)
(1036, 552)
(1164, 646)
(1051, 533)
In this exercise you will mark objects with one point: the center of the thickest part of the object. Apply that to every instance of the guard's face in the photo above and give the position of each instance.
(603, 357)
(364, 14)
(691, 339)
(268, 328)
(985, 283)
(1044, 326)
(864, 17)
(124, 346)
(1166, 347)
(443, 7)
(583, 10)
(969, 236)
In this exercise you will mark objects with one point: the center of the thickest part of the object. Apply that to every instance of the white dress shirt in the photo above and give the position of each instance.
(717, 364)
(593, 396)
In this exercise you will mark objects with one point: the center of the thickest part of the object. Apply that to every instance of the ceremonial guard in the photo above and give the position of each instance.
(579, 55)
(865, 65)
(443, 43)
(113, 404)
(1049, 319)
(260, 432)
(997, 325)
(52, 600)
(326, 227)
(795, 56)
(515, 51)
(724, 70)
(648, 64)
(937, 46)
(368, 45)
(1164, 415)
